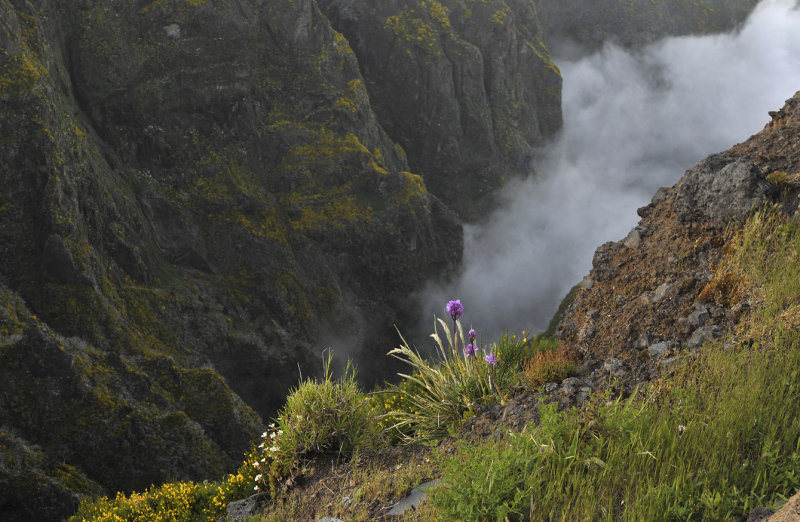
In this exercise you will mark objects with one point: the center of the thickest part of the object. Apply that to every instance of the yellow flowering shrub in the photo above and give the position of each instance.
(172, 502)
(390, 403)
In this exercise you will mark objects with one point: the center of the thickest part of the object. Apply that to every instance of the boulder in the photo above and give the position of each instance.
(703, 335)
(659, 349)
(790, 512)
(244, 509)
(721, 189)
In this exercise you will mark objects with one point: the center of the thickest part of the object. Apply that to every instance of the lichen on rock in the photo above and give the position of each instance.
(190, 193)
(467, 88)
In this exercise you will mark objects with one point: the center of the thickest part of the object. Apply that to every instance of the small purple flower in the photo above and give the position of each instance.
(470, 350)
(455, 309)
(491, 359)
(472, 336)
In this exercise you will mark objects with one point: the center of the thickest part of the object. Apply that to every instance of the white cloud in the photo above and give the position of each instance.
(632, 123)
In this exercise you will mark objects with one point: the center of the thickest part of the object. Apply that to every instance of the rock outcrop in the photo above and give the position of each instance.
(656, 292)
(790, 512)
(721, 189)
(196, 197)
(466, 87)
(633, 23)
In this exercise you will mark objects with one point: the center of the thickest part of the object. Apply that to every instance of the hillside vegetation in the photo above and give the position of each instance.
(712, 435)
(196, 196)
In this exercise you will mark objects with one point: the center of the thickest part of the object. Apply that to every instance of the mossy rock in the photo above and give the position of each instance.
(33, 486)
(191, 195)
(635, 23)
(467, 88)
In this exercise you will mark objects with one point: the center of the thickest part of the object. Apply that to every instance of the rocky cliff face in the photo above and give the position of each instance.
(196, 195)
(467, 87)
(633, 23)
(650, 299)
(185, 187)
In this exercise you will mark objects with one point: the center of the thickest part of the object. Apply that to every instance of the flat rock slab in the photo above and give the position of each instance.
(790, 512)
(412, 500)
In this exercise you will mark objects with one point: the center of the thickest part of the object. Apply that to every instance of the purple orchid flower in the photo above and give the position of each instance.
(455, 309)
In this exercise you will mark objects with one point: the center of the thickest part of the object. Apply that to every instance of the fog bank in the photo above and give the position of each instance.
(632, 123)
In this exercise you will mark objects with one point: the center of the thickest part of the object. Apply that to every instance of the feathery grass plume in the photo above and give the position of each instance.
(443, 390)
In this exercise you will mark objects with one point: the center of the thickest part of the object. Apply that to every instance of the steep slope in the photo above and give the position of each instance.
(192, 194)
(467, 87)
(650, 298)
(633, 23)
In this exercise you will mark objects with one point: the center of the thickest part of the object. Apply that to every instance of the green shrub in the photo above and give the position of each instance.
(391, 402)
(327, 417)
(173, 502)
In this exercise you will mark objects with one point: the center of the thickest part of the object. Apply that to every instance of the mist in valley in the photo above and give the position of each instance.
(633, 122)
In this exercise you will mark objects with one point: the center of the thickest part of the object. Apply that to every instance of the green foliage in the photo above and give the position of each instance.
(328, 416)
(437, 395)
(715, 440)
(514, 352)
(393, 402)
(179, 501)
(331, 416)
(778, 177)
(765, 253)
(173, 501)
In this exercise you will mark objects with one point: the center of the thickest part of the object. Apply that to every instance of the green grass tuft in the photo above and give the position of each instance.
(712, 442)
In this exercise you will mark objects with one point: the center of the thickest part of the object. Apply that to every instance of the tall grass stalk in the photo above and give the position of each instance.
(443, 390)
